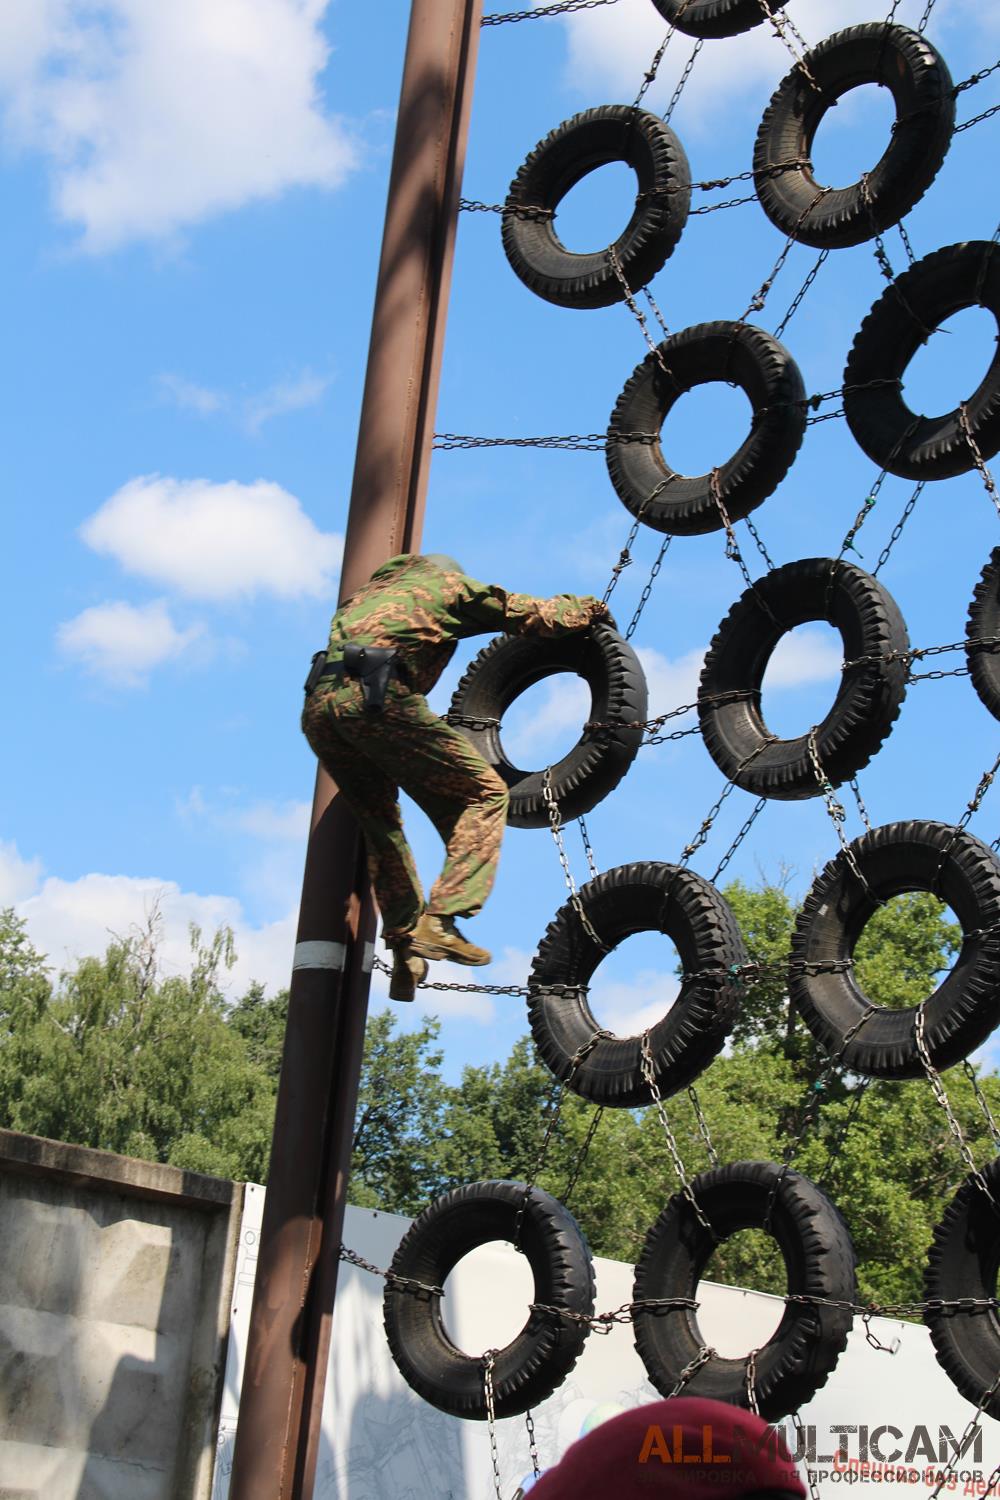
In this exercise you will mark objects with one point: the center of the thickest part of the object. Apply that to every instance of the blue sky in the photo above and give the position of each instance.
(194, 207)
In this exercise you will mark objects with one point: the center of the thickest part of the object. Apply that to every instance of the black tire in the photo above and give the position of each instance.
(630, 899)
(800, 1355)
(962, 1263)
(868, 699)
(614, 132)
(736, 353)
(903, 318)
(983, 624)
(536, 1362)
(918, 79)
(510, 665)
(962, 1011)
(711, 18)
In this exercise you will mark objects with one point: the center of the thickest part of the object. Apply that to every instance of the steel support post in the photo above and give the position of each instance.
(277, 1439)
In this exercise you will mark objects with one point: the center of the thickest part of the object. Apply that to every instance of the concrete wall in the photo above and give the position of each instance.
(115, 1283)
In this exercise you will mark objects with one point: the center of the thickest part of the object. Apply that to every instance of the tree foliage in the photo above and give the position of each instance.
(116, 1054)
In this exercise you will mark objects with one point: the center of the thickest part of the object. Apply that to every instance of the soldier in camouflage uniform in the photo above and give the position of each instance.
(418, 607)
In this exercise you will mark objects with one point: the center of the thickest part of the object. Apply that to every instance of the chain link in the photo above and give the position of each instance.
(705, 1353)
(595, 1121)
(561, 8)
(644, 596)
(838, 816)
(678, 91)
(489, 1360)
(587, 849)
(759, 806)
(649, 1074)
(983, 1102)
(897, 530)
(971, 1429)
(800, 294)
(703, 1129)
(529, 1427)
(555, 825)
(401, 1283)
(986, 476)
(649, 77)
(941, 1096)
(751, 1381)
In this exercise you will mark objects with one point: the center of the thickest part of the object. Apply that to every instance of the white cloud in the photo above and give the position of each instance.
(122, 642)
(808, 654)
(191, 397)
(628, 1009)
(18, 877)
(155, 116)
(71, 919)
(251, 411)
(215, 541)
(670, 683)
(288, 395)
(547, 720)
(610, 49)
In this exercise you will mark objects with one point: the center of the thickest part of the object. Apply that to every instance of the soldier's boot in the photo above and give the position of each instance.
(407, 972)
(438, 937)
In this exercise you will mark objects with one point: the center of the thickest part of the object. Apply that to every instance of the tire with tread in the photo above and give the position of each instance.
(962, 1263)
(984, 624)
(510, 665)
(803, 1351)
(904, 317)
(610, 133)
(712, 18)
(533, 1364)
(916, 75)
(740, 354)
(962, 1011)
(868, 700)
(636, 898)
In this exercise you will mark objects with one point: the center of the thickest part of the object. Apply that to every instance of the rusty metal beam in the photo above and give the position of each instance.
(277, 1439)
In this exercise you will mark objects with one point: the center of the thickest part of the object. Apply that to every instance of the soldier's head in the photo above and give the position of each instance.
(444, 562)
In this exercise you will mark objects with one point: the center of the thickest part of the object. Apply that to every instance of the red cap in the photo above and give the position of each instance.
(688, 1448)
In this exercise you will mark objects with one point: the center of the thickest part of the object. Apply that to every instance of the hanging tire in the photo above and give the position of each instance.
(904, 317)
(711, 18)
(738, 354)
(962, 1011)
(868, 699)
(983, 624)
(962, 1264)
(803, 1351)
(614, 132)
(619, 903)
(510, 665)
(917, 77)
(533, 1364)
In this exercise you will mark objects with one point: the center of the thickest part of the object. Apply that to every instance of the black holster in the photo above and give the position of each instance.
(373, 667)
(315, 671)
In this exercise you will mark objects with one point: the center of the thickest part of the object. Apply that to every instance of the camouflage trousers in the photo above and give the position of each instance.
(370, 756)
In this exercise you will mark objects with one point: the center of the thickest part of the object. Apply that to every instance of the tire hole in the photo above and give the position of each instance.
(545, 722)
(636, 985)
(847, 142)
(475, 1323)
(906, 950)
(594, 213)
(752, 1261)
(950, 366)
(705, 427)
(800, 678)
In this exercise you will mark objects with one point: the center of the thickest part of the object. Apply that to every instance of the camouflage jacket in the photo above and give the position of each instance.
(421, 609)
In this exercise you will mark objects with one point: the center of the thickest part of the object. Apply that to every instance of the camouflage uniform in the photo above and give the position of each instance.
(419, 607)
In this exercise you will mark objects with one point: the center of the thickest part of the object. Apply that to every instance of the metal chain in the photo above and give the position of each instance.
(758, 299)
(529, 1427)
(758, 543)
(941, 1096)
(801, 1446)
(678, 91)
(837, 814)
(862, 809)
(644, 596)
(595, 1121)
(971, 1429)
(705, 1353)
(987, 477)
(800, 294)
(588, 442)
(706, 825)
(649, 77)
(587, 849)
(656, 311)
(402, 1283)
(732, 545)
(555, 824)
(463, 989)
(751, 1381)
(624, 556)
(897, 530)
(633, 306)
(983, 1102)
(489, 1360)
(649, 1075)
(783, 26)
(759, 806)
(987, 114)
(922, 26)
(562, 8)
(703, 1129)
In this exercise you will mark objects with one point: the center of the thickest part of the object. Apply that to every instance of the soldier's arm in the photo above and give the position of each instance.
(489, 607)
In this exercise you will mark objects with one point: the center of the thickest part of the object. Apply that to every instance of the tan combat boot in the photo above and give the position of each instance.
(407, 972)
(438, 937)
